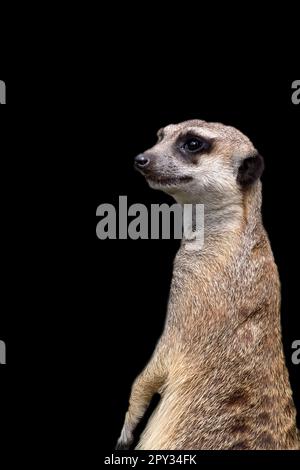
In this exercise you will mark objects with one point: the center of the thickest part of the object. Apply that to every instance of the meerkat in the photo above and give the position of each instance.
(219, 364)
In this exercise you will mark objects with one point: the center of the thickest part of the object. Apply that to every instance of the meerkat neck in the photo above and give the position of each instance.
(225, 219)
(252, 200)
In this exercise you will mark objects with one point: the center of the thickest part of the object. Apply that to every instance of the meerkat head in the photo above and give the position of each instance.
(197, 161)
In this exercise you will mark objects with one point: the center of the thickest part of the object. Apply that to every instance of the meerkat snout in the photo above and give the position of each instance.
(200, 160)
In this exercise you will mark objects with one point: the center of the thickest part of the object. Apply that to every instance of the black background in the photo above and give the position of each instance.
(132, 278)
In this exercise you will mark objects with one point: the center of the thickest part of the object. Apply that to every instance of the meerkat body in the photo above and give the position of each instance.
(219, 364)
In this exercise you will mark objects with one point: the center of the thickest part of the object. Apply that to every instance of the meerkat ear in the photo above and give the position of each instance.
(250, 170)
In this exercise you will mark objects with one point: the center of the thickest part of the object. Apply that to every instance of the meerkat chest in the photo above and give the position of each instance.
(204, 285)
(195, 274)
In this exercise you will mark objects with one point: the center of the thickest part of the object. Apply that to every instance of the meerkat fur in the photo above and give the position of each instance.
(219, 364)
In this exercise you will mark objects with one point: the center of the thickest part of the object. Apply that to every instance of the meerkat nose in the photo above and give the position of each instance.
(141, 161)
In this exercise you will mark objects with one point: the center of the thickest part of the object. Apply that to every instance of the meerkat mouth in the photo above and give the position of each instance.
(168, 181)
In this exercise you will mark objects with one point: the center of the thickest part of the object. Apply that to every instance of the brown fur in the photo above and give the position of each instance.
(219, 364)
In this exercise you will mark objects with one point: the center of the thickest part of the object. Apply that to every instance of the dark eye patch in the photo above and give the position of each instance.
(193, 144)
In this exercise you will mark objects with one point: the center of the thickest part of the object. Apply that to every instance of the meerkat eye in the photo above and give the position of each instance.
(194, 145)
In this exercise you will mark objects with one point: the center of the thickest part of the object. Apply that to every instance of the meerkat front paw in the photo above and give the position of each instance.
(125, 440)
